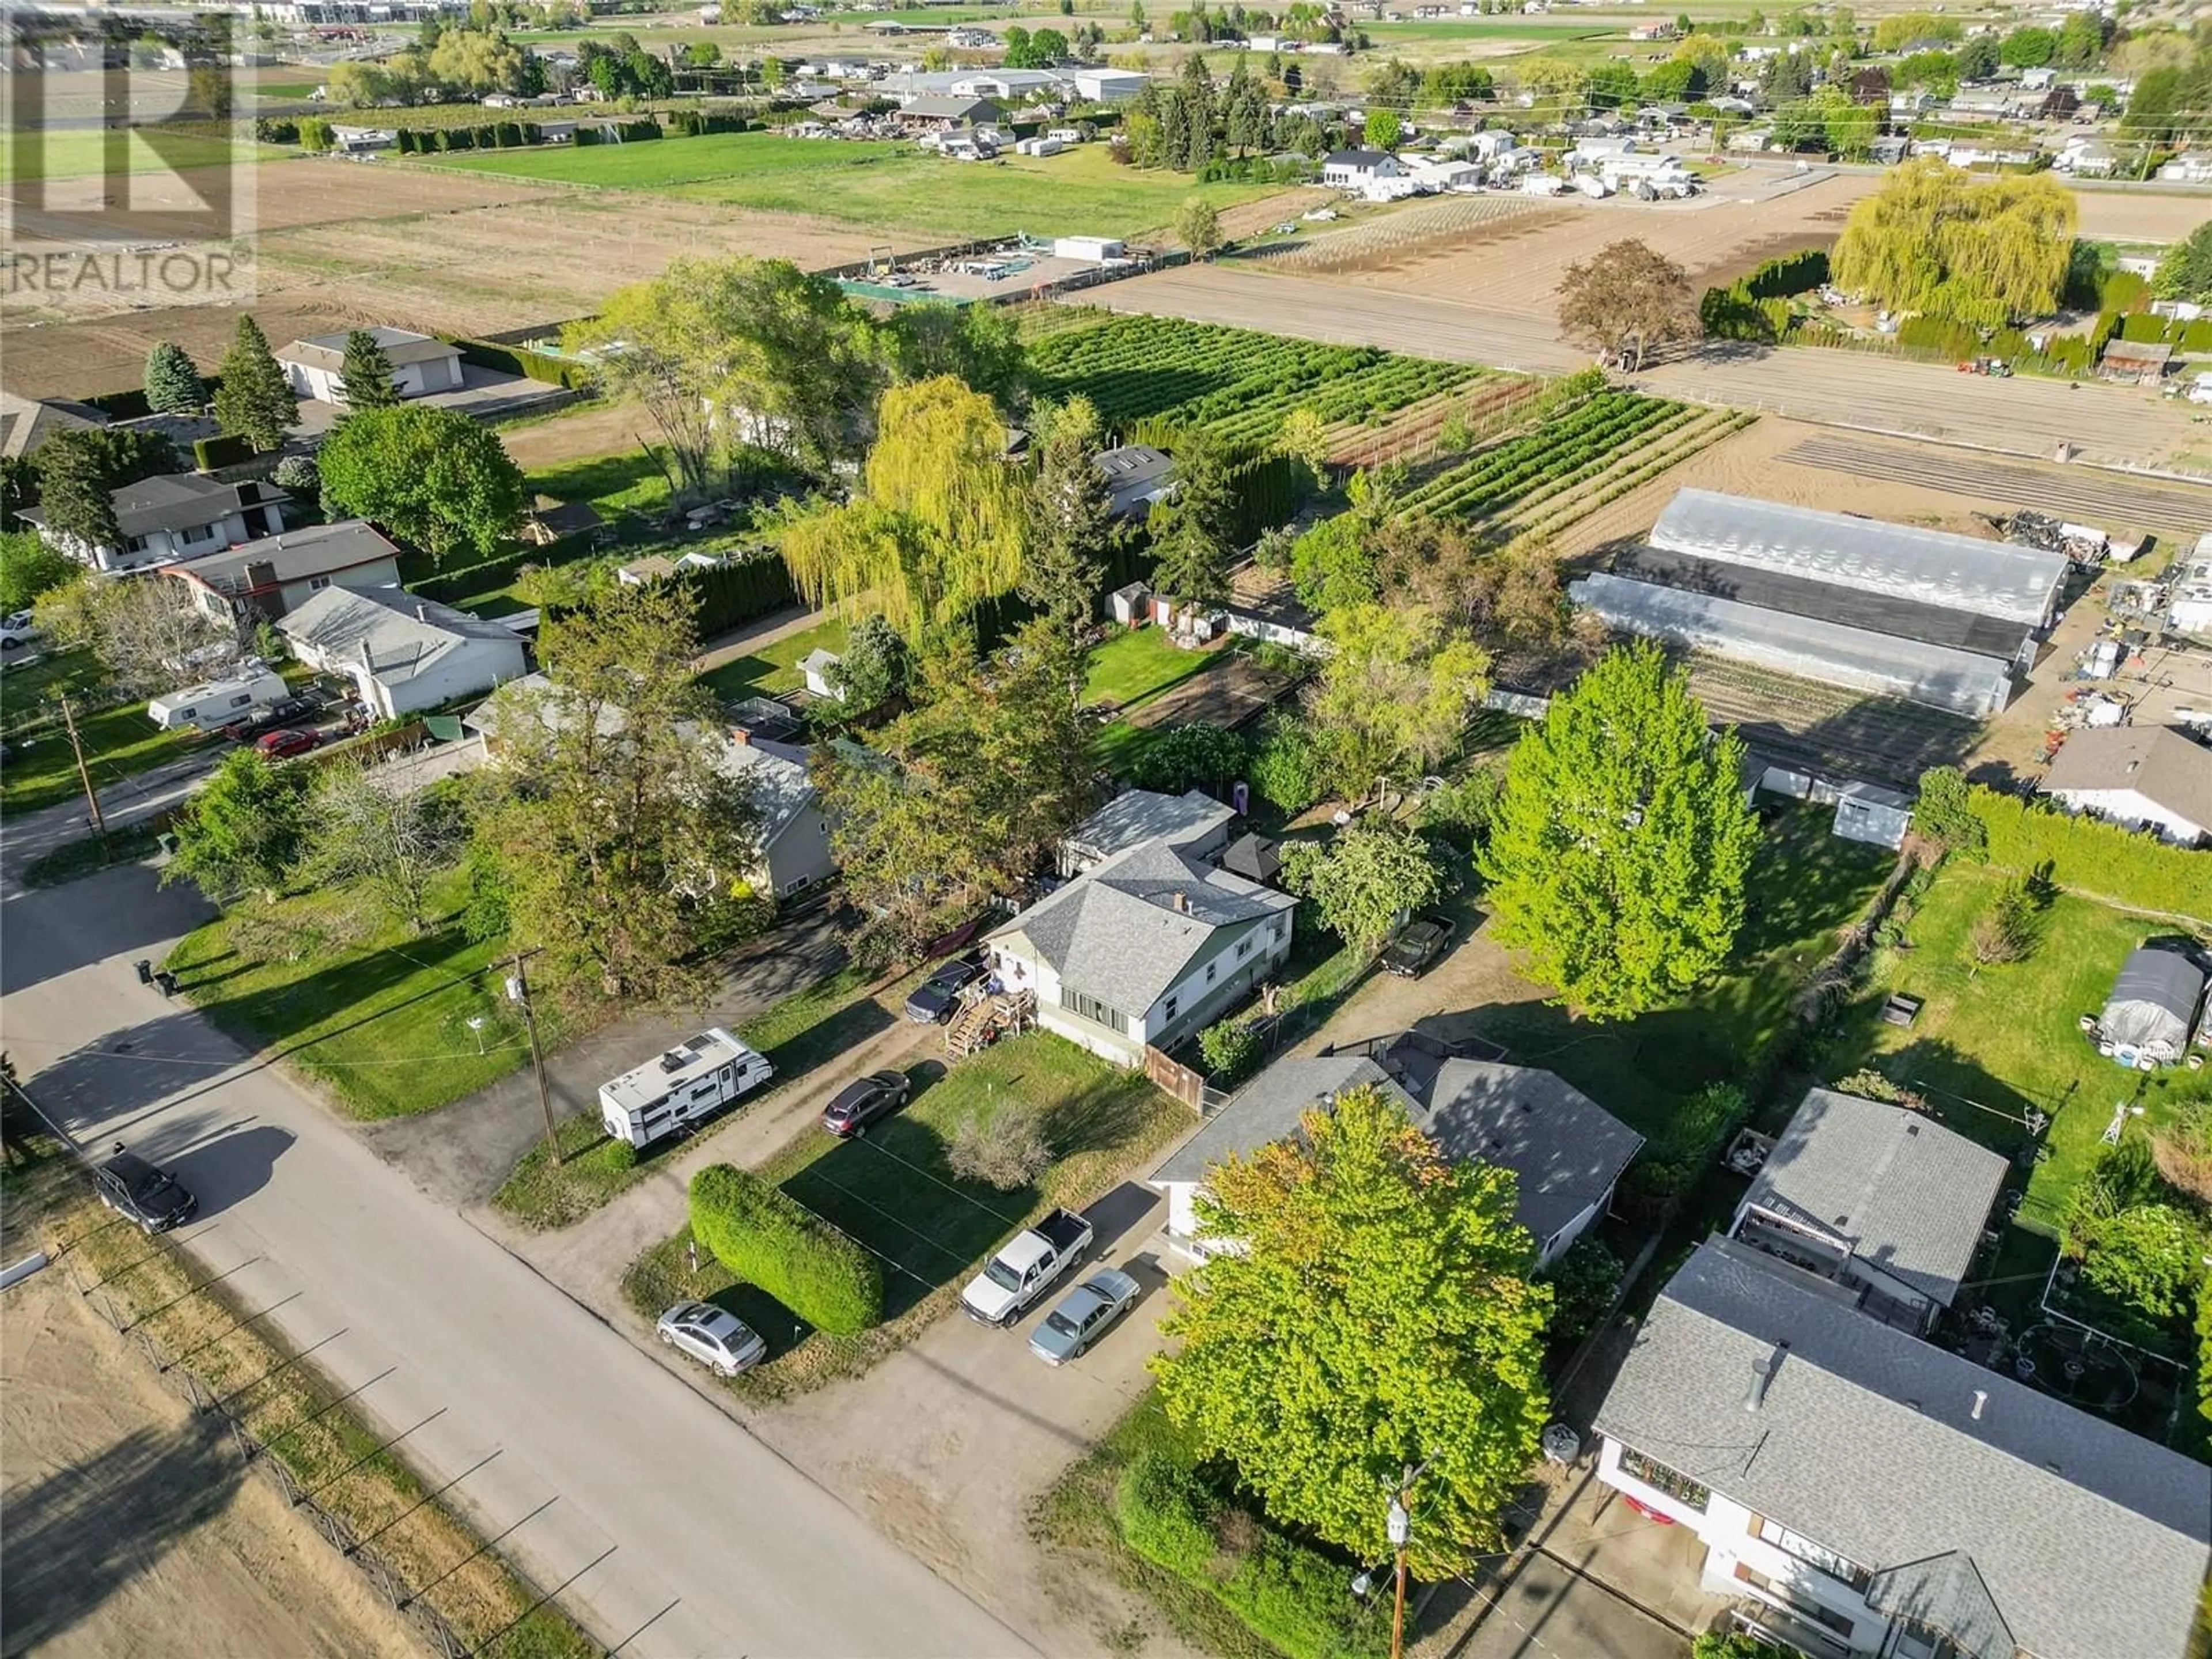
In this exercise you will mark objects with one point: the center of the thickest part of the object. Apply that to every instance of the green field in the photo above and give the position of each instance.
(80, 152)
(877, 184)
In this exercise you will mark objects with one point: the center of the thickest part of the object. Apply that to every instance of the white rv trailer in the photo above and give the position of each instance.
(697, 1078)
(216, 704)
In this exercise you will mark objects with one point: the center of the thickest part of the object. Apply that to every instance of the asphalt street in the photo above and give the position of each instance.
(675, 1532)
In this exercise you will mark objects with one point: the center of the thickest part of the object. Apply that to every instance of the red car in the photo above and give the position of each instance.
(279, 744)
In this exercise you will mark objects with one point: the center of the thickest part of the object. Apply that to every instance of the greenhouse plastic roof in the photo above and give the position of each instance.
(1930, 566)
(2153, 999)
(1809, 647)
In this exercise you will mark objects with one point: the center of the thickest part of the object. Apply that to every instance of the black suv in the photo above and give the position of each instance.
(1416, 946)
(147, 1195)
(274, 717)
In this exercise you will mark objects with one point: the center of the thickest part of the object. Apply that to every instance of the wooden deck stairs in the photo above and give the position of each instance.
(984, 1020)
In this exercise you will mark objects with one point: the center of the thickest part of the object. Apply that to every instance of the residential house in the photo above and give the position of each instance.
(361, 141)
(1107, 86)
(177, 515)
(947, 113)
(1566, 1151)
(2193, 168)
(419, 364)
(1981, 103)
(273, 576)
(794, 836)
(2087, 158)
(1193, 821)
(1989, 153)
(2146, 777)
(26, 423)
(1143, 950)
(1867, 1495)
(1356, 169)
(1136, 475)
(403, 655)
(1883, 1202)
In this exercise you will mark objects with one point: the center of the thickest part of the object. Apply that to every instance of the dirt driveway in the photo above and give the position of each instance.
(128, 1523)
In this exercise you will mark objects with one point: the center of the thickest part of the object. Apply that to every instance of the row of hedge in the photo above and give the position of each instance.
(1286, 1593)
(772, 1240)
(2146, 329)
(567, 372)
(2124, 866)
(1791, 273)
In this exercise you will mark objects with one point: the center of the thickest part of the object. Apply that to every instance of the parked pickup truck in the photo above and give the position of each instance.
(1031, 1262)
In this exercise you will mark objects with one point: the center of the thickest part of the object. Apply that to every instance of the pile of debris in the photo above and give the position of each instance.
(2082, 544)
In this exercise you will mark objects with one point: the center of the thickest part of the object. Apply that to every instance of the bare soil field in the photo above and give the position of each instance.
(126, 1515)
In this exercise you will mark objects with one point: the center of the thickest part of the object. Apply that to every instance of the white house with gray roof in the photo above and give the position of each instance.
(314, 368)
(1143, 949)
(175, 515)
(1867, 1495)
(403, 653)
(1565, 1151)
(2143, 777)
(1882, 1201)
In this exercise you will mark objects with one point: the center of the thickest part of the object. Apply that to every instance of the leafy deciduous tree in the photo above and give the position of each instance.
(147, 634)
(1198, 227)
(1199, 755)
(1379, 1317)
(432, 477)
(1619, 852)
(29, 569)
(1936, 241)
(394, 842)
(2185, 271)
(1363, 881)
(1624, 300)
(1396, 694)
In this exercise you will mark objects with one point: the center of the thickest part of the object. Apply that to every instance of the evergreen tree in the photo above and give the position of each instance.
(1193, 530)
(1198, 100)
(1071, 518)
(173, 386)
(365, 377)
(254, 400)
(1175, 132)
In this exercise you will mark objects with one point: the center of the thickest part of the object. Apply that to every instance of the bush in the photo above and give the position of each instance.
(2149, 1257)
(2125, 866)
(1194, 756)
(769, 1240)
(1287, 769)
(1163, 1508)
(2183, 1151)
(228, 450)
(1231, 1050)
(1583, 1281)
(1735, 1645)
(1006, 1149)
(297, 474)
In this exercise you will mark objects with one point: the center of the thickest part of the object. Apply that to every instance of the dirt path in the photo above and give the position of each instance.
(129, 1523)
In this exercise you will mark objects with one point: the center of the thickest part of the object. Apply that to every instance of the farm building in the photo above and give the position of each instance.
(1136, 475)
(1354, 169)
(1922, 615)
(419, 364)
(2147, 777)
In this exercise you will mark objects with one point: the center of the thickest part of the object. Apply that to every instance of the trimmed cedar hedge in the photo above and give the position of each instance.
(227, 449)
(569, 372)
(774, 1242)
(2127, 866)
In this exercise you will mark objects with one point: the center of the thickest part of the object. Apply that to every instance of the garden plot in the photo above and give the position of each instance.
(1557, 455)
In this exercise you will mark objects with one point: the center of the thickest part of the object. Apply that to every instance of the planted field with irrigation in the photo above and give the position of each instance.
(1236, 383)
(1563, 451)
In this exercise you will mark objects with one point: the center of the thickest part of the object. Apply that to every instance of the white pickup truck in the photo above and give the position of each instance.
(1026, 1267)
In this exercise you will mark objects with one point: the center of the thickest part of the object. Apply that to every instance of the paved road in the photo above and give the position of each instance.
(2021, 416)
(691, 1538)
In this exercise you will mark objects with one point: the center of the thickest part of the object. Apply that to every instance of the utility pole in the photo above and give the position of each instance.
(1401, 1531)
(84, 772)
(518, 990)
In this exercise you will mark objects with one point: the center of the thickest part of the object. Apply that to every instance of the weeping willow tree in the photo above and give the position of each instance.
(938, 527)
(1933, 242)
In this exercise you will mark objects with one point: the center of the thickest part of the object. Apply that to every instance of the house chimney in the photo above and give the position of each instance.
(1981, 1399)
(1181, 903)
(740, 737)
(1762, 1374)
(367, 657)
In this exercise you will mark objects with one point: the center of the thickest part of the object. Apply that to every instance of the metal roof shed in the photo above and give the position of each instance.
(2148, 1016)
(1931, 567)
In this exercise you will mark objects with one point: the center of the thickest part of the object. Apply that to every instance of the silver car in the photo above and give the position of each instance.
(724, 1342)
(1085, 1313)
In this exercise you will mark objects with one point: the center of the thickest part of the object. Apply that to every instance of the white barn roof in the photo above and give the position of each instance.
(1930, 566)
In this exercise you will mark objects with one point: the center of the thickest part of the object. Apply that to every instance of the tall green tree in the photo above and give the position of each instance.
(1364, 881)
(1071, 518)
(1620, 849)
(961, 798)
(365, 376)
(254, 400)
(2185, 271)
(1198, 227)
(29, 569)
(876, 665)
(245, 831)
(432, 477)
(1935, 241)
(1193, 530)
(979, 344)
(624, 843)
(79, 470)
(1396, 694)
(173, 386)
(1379, 1318)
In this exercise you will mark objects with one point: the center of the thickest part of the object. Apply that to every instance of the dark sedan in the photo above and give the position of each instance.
(1416, 946)
(939, 994)
(864, 1100)
(147, 1195)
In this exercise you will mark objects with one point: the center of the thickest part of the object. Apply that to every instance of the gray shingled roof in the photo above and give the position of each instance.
(2092, 1542)
(292, 555)
(1140, 815)
(1909, 1195)
(406, 636)
(1115, 933)
(400, 346)
(2159, 763)
(1566, 1148)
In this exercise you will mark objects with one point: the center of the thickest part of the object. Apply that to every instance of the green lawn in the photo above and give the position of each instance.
(79, 152)
(1806, 885)
(1135, 663)
(380, 1018)
(879, 185)
(774, 667)
(1988, 1044)
(805, 1030)
(118, 743)
(892, 1191)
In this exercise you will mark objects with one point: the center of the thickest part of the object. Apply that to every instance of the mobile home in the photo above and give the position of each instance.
(696, 1079)
(217, 702)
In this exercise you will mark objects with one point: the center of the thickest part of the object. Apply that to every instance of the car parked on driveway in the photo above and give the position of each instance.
(1085, 1313)
(1418, 941)
(938, 995)
(713, 1335)
(275, 718)
(864, 1100)
(291, 741)
(151, 1197)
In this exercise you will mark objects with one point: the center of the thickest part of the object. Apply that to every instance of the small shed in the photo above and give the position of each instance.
(1130, 603)
(814, 668)
(2152, 1008)
(1253, 856)
(1867, 813)
(2136, 360)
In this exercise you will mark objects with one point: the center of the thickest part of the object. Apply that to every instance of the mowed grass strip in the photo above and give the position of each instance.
(33, 154)
(887, 184)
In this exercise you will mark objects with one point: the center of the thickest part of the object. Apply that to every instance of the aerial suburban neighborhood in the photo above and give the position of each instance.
(958, 828)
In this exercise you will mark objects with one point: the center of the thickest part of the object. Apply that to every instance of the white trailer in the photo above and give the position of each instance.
(216, 704)
(696, 1079)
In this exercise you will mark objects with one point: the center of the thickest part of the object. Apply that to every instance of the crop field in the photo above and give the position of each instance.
(891, 185)
(1236, 383)
(1551, 458)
